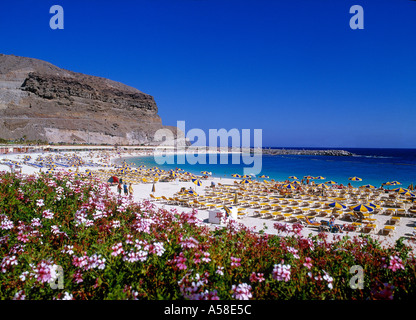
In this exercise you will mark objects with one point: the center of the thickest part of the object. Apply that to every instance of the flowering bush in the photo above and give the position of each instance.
(61, 228)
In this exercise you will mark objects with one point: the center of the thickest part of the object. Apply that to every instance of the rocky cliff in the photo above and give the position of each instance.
(40, 101)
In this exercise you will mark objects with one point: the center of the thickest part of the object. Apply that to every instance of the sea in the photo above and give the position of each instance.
(373, 166)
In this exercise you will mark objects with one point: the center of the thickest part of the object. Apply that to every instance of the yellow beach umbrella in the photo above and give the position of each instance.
(331, 182)
(245, 181)
(323, 185)
(407, 194)
(192, 192)
(289, 186)
(369, 186)
(363, 208)
(337, 205)
(197, 182)
(355, 179)
(370, 204)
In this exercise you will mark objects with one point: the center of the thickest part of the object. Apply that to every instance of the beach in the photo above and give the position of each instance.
(258, 218)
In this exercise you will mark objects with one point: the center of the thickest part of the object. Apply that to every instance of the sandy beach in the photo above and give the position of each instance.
(403, 227)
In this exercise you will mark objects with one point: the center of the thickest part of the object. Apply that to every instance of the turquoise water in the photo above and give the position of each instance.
(374, 166)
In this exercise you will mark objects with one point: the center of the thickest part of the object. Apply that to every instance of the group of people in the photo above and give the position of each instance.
(123, 187)
(331, 224)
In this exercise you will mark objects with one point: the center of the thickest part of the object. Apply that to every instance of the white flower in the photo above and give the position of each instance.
(242, 291)
(40, 203)
(67, 296)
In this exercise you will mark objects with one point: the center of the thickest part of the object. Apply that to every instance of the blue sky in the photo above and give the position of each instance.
(294, 69)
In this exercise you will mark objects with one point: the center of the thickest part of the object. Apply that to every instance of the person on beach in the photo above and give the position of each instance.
(334, 227)
(119, 187)
(126, 191)
(130, 189)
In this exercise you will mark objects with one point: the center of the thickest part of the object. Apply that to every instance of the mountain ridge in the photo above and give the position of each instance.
(40, 101)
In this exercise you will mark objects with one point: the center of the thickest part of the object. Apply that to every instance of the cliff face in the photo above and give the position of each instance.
(41, 101)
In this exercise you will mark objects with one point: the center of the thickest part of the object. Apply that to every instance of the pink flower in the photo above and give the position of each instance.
(395, 263)
(180, 261)
(45, 271)
(47, 214)
(242, 291)
(259, 277)
(308, 263)
(19, 295)
(281, 272)
(220, 270)
(40, 203)
(235, 262)
(22, 237)
(6, 224)
(117, 249)
(7, 262)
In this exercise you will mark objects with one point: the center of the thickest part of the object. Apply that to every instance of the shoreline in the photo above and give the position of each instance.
(143, 192)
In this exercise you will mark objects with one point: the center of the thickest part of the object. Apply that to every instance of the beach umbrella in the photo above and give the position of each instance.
(320, 178)
(246, 176)
(400, 190)
(323, 186)
(407, 194)
(289, 186)
(263, 176)
(192, 192)
(355, 179)
(197, 181)
(113, 179)
(206, 172)
(245, 181)
(308, 177)
(370, 204)
(337, 205)
(363, 208)
(369, 186)
(395, 183)
(331, 182)
(293, 177)
(296, 182)
(236, 175)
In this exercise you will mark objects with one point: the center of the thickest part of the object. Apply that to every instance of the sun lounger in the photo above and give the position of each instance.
(155, 198)
(265, 214)
(371, 227)
(389, 230)
(394, 220)
(277, 215)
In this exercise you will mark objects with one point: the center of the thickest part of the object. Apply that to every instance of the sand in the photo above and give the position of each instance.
(142, 192)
